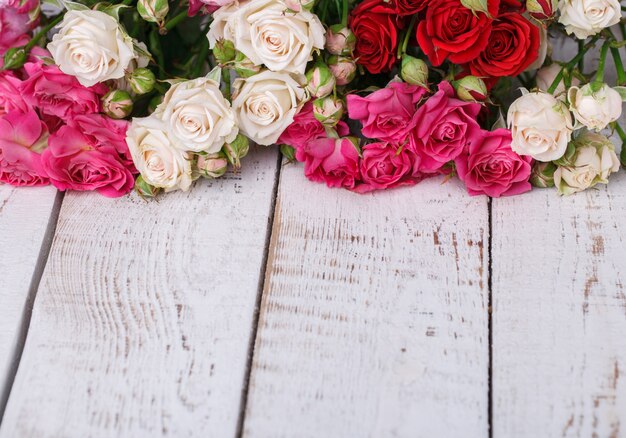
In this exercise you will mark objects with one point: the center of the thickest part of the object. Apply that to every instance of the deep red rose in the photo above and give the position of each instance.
(513, 46)
(376, 31)
(408, 7)
(452, 31)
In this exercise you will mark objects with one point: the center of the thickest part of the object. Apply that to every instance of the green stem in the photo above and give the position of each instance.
(43, 32)
(620, 132)
(226, 78)
(570, 65)
(581, 61)
(344, 13)
(602, 63)
(407, 36)
(173, 22)
(204, 50)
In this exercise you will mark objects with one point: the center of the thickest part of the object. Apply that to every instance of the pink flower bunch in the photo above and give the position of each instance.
(414, 135)
(17, 19)
(52, 132)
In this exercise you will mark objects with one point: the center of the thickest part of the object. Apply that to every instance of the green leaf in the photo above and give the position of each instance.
(622, 92)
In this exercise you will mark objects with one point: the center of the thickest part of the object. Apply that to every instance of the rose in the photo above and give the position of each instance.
(10, 95)
(584, 18)
(513, 46)
(547, 75)
(331, 161)
(14, 26)
(265, 104)
(74, 162)
(91, 46)
(595, 108)
(490, 167)
(541, 126)
(444, 126)
(541, 9)
(343, 69)
(593, 162)
(385, 165)
(271, 35)
(386, 113)
(57, 94)
(376, 36)
(207, 6)
(340, 40)
(306, 127)
(197, 116)
(455, 32)
(160, 163)
(22, 137)
(409, 7)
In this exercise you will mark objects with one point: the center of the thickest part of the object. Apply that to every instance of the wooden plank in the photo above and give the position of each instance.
(559, 321)
(26, 214)
(374, 316)
(142, 324)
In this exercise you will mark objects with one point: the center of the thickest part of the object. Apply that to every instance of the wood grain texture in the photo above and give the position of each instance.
(559, 321)
(143, 320)
(24, 219)
(374, 314)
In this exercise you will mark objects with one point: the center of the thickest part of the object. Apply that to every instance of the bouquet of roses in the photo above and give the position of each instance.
(369, 94)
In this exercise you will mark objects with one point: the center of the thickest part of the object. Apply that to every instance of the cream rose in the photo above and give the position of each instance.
(596, 109)
(594, 161)
(541, 126)
(547, 75)
(159, 162)
(197, 116)
(585, 18)
(269, 33)
(266, 103)
(91, 46)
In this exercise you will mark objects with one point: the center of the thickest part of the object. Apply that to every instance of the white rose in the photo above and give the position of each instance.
(270, 34)
(597, 109)
(159, 162)
(547, 75)
(541, 126)
(594, 162)
(266, 103)
(91, 46)
(585, 18)
(220, 28)
(197, 116)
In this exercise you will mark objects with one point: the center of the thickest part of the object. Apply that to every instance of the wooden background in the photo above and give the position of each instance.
(263, 305)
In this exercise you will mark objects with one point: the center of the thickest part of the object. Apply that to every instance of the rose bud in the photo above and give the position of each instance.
(414, 71)
(117, 104)
(224, 51)
(542, 9)
(320, 80)
(153, 11)
(299, 5)
(288, 152)
(476, 6)
(343, 68)
(542, 174)
(15, 58)
(328, 110)
(236, 150)
(212, 165)
(595, 106)
(546, 76)
(244, 67)
(141, 80)
(144, 189)
(340, 40)
(471, 89)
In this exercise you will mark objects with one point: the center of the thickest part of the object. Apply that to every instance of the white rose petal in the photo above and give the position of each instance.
(585, 18)
(597, 109)
(547, 75)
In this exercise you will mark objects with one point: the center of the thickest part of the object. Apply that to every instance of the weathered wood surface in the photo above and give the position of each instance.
(559, 316)
(374, 316)
(25, 215)
(142, 323)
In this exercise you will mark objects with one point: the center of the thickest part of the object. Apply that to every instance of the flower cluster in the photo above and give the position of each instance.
(367, 94)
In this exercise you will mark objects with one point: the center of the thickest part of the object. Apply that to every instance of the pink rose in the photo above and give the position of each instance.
(73, 162)
(305, 127)
(10, 95)
(14, 27)
(385, 114)
(385, 165)
(57, 94)
(206, 6)
(490, 166)
(444, 126)
(332, 161)
(22, 136)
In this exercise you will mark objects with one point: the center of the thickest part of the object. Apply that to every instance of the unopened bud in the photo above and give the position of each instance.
(117, 104)
(15, 58)
(471, 89)
(477, 6)
(328, 110)
(343, 69)
(153, 11)
(224, 51)
(541, 9)
(542, 174)
(320, 80)
(414, 71)
(144, 189)
(288, 152)
(142, 80)
(236, 150)
(340, 40)
(212, 165)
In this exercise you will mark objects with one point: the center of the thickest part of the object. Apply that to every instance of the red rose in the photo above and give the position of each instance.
(375, 28)
(513, 46)
(408, 7)
(452, 31)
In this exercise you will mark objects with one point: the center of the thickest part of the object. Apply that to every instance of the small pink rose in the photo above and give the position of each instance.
(386, 165)
(74, 162)
(331, 161)
(22, 136)
(10, 94)
(14, 28)
(305, 128)
(490, 167)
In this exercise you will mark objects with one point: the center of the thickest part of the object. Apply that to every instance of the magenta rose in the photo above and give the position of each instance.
(305, 127)
(22, 137)
(385, 114)
(385, 165)
(57, 94)
(490, 167)
(332, 161)
(74, 162)
(14, 27)
(444, 126)
(10, 95)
